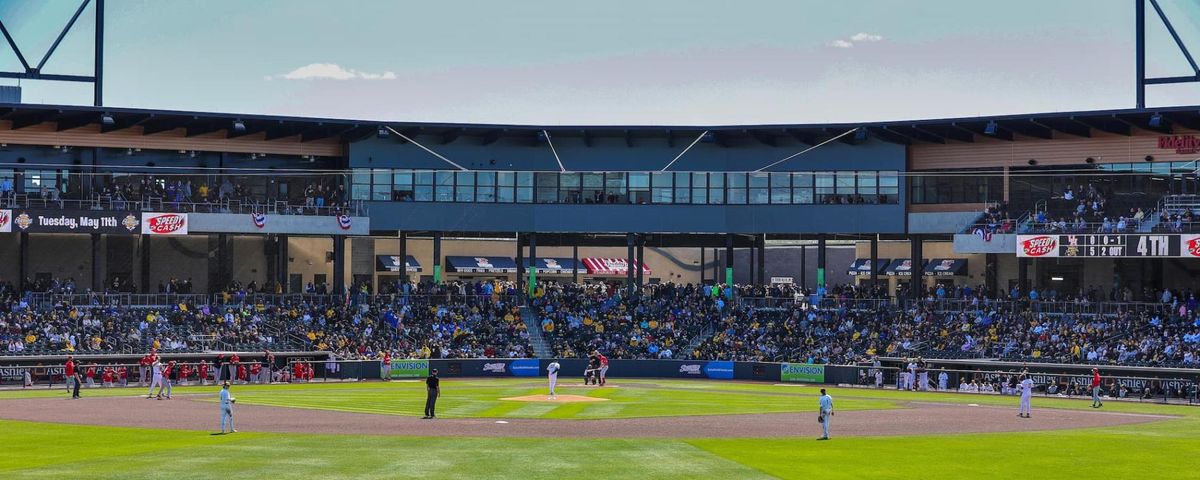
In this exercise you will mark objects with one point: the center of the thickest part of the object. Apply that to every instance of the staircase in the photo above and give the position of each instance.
(687, 351)
(534, 328)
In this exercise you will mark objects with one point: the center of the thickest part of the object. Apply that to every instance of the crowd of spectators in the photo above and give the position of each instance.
(841, 324)
(655, 323)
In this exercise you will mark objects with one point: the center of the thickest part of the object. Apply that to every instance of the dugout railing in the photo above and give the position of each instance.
(1119, 383)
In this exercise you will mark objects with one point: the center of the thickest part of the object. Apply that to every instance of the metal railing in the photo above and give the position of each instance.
(165, 300)
(160, 204)
(946, 305)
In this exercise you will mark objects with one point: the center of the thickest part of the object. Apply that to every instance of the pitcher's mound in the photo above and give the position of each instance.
(558, 399)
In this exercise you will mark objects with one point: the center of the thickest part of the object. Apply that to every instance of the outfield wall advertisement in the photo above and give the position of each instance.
(410, 368)
(802, 373)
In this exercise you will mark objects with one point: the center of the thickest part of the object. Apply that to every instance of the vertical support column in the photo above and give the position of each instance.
(520, 264)
(1139, 19)
(990, 273)
(403, 256)
(750, 264)
(532, 264)
(284, 261)
(97, 281)
(703, 265)
(629, 259)
(874, 261)
(437, 257)
(762, 259)
(917, 282)
(1022, 274)
(226, 258)
(575, 260)
(23, 261)
(717, 265)
(804, 266)
(729, 262)
(821, 262)
(339, 265)
(98, 61)
(641, 262)
(145, 251)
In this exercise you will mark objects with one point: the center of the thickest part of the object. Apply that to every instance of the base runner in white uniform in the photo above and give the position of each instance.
(552, 374)
(1026, 389)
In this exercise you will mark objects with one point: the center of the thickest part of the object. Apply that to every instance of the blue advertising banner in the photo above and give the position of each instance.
(722, 370)
(527, 367)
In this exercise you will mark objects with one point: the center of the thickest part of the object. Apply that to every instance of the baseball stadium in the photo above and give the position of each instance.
(197, 294)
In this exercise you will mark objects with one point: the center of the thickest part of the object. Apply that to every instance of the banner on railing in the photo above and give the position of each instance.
(1109, 246)
(802, 373)
(68, 221)
(154, 223)
(410, 368)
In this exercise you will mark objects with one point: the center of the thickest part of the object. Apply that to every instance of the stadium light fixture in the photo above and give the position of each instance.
(990, 129)
(382, 132)
(107, 120)
(861, 134)
(239, 126)
(708, 137)
(1156, 120)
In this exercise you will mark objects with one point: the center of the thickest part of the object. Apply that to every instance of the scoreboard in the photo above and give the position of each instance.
(1156, 245)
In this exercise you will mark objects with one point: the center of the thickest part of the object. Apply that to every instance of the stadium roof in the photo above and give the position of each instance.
(1164, 120)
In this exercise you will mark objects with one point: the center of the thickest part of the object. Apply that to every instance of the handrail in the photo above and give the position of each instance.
(158, 204)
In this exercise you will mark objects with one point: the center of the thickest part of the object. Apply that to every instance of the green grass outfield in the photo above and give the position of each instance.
(1167, 449)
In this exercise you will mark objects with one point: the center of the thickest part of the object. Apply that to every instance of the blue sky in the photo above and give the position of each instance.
(611, 62)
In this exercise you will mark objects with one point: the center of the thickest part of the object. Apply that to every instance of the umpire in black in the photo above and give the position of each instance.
(433, 390)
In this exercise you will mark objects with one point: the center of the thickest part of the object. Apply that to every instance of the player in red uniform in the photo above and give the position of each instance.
(168, 371)
(202, 372)
(1096, 402)
(241, 372)
(385, 369)
(256, 372)
(234, 362)
(123, 375)
(69, 372)
(91, 375)
(185, 371)
(308, 371)
(143, 364)
(107, 377)
(603, 367)
(297, 371)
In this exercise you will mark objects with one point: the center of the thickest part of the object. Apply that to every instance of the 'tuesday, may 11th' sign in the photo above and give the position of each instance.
(802, 372)
(68, 221)
(410, 368)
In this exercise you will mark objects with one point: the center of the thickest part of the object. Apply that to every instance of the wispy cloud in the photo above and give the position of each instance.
(331, 71)
(860, 37)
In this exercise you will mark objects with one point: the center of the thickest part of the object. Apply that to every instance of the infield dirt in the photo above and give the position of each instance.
(195, 413)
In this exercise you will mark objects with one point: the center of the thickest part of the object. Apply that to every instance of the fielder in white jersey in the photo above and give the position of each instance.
(552, 375)
(226, 408)
(912, 376)
(157, 373)
(943, 381)
(826, 403)
(1026, 388)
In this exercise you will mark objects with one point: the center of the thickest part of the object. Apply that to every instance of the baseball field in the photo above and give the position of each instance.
(661, 429)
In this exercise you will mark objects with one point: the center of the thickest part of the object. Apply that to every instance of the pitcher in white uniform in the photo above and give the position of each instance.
(1026, 388)
(157, 371)
(826, 403)
(226, 408)
(552, 374)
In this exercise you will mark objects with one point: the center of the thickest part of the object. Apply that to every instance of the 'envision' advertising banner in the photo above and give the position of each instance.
(802, 373)
(410, 368)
